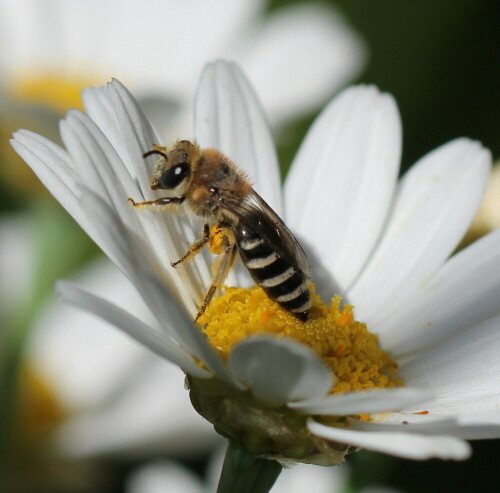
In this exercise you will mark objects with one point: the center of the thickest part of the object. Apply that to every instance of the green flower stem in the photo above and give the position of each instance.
(245, 473)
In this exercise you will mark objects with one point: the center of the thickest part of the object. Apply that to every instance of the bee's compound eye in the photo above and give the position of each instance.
(174, 176)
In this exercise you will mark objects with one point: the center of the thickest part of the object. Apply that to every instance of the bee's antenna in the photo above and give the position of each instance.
(155, 151)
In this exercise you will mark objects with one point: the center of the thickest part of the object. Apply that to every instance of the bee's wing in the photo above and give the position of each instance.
(256, 213)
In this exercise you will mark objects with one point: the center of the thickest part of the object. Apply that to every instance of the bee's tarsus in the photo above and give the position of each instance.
(155, 151)
(206, 301)
(160, 201)
(195, 248)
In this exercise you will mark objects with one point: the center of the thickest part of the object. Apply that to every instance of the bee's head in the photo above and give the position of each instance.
(173, 167)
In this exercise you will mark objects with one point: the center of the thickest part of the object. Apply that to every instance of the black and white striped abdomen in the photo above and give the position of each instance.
(281, 281)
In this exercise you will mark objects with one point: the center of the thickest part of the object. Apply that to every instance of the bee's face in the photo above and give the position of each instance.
(203, 177)
(174, 169)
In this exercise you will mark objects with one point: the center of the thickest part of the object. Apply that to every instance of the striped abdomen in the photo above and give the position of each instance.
(282, 282)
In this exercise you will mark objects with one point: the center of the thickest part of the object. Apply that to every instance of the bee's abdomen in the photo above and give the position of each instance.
(281, 281)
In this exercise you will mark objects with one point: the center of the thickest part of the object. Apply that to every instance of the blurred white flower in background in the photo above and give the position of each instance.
(296, 57)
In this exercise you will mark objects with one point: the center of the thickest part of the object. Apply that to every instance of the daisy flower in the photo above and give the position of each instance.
(395, 382)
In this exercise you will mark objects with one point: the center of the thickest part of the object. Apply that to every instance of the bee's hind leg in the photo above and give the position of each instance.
(220, 270)
(194, 248)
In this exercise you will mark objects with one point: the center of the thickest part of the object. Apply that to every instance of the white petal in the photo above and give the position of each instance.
(479, 426)
(99, 107)
(137, 133)
(131, 255)
(170, 235)
(406, 445)
(109, 232)
(279, 370)
(53, 154)
(134, 327)
(170, 315)
(462, 373)
(465, 291)
(128, 249)
(53, 167)
(434, 204)
(159, 477)
(98, 164)
(469, 427)
(341, 183)
(361, 402)
(279, 63)
(228, 117)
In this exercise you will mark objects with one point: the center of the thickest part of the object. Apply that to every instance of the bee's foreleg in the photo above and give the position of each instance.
(194, 248)
(164, 201)
(220, 270)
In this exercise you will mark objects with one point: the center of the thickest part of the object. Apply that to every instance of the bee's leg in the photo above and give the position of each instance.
(158, 149)
(158, 202)
(194, 248)
(220, 270)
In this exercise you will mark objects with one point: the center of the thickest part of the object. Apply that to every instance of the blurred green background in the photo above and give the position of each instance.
(440, 60)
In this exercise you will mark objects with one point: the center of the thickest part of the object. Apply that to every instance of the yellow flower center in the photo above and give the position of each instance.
(341, 342)
(58, 93)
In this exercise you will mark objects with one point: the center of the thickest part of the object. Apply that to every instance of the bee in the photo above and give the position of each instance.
(237, 220)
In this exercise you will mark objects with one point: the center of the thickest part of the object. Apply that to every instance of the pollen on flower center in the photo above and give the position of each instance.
(56, 92)
(341, 342)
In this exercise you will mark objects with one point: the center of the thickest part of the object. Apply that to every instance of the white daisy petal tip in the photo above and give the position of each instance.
(279, 370)
(368, 95)
(116, 83)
